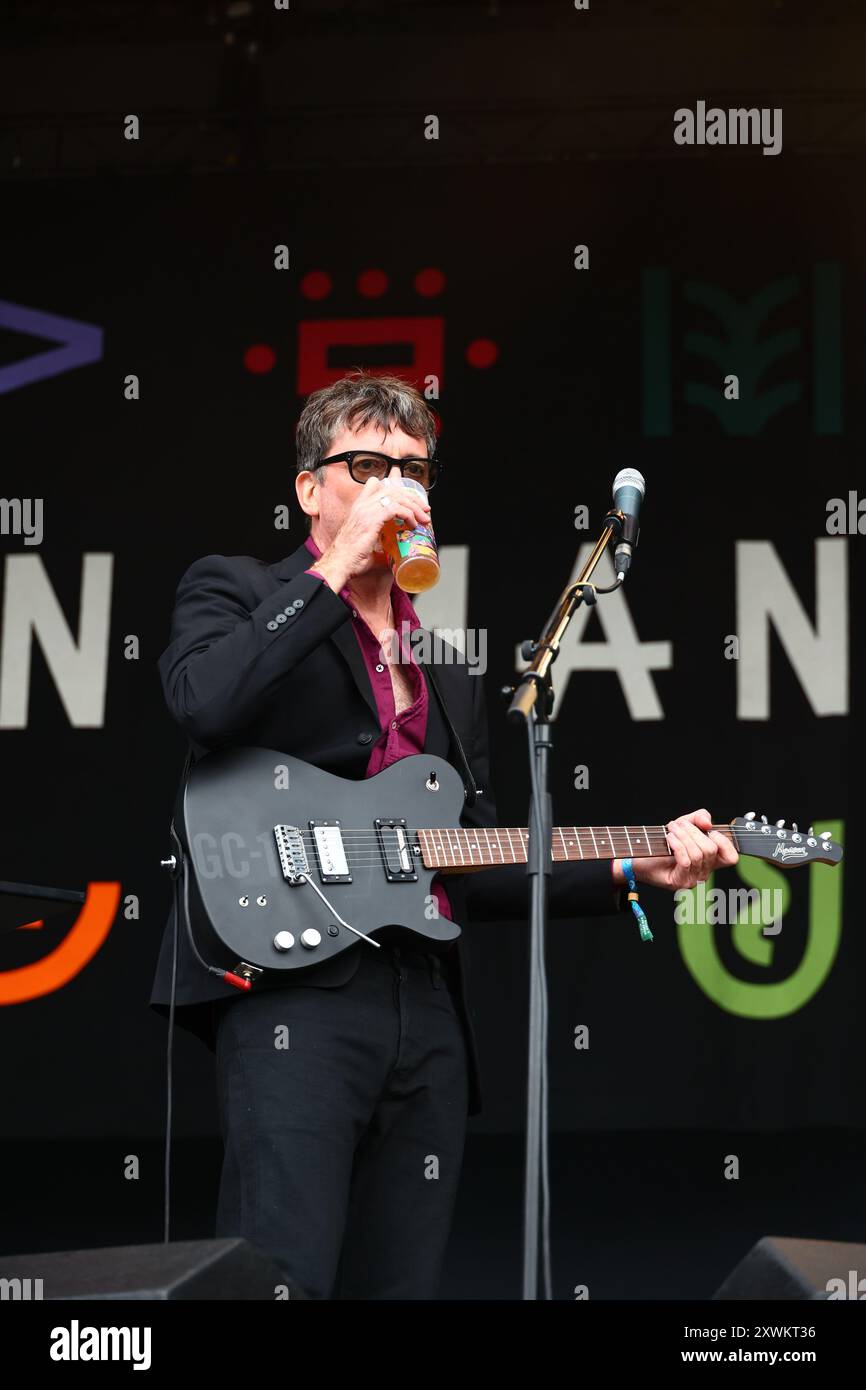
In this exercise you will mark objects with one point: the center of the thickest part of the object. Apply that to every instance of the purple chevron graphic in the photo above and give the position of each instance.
(80, 344)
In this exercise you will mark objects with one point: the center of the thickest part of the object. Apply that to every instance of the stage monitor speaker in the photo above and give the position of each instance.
(191, 1269)
(780, 1267)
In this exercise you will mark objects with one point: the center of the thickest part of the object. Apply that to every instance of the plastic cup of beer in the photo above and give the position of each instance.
(411, 550)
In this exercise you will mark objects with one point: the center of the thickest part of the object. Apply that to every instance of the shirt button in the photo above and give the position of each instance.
(380, 667)
(354, 612)
(393, 723)
(365, 738)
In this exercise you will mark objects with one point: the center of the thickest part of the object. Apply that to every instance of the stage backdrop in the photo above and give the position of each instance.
(155, 348)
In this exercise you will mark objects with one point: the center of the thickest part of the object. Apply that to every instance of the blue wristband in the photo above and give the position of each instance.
(628, 871)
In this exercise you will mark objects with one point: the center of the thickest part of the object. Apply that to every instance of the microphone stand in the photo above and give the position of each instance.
(532, 701)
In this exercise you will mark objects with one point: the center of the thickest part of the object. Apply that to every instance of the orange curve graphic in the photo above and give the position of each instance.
(78, 946)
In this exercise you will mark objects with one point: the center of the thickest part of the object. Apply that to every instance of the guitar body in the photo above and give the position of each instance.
(244, 909)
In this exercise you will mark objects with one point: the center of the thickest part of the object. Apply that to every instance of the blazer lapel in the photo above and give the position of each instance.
(437, 739)
(346, 642)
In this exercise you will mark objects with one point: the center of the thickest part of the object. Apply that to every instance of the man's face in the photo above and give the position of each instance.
(329, 503)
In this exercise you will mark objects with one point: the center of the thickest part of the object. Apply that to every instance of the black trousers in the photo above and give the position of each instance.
(343, 1116)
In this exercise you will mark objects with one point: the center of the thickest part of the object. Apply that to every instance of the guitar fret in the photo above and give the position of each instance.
(628, 838)
(594, 843)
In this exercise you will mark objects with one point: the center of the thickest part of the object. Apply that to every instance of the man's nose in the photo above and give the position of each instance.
(395, 468)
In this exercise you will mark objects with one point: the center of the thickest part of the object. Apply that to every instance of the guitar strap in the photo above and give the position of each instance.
(470, 789)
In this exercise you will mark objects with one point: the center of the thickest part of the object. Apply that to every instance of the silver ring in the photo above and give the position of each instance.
(383, 501)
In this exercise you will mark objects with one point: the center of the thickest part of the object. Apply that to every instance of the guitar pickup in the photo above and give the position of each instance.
(396, 851)
(330, 851)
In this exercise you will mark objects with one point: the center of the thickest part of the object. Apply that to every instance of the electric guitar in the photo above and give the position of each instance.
(286, 865)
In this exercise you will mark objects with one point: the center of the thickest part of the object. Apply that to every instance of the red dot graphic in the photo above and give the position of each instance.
(429, 282)
(259, 358)
(482, 353)
(372, 283)
(316, 284)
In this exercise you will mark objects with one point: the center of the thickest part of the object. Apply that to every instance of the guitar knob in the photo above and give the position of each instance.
(764, 819)
(311, 938)
(825, 834)
(779, 824)
(793, 825)
(811, 830)
(284, 941)
(750, 815)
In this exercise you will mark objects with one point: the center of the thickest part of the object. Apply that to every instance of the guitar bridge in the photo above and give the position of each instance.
(293, 855)
(397, 857)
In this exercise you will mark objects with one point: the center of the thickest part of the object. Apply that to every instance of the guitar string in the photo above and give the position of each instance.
(373, 855)
(572, 830)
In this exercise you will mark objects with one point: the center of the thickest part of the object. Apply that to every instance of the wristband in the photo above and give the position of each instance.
(628, 872)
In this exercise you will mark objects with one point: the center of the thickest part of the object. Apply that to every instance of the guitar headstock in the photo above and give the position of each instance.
(788, 848)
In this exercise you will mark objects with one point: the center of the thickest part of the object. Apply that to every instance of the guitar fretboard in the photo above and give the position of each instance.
(459, 849)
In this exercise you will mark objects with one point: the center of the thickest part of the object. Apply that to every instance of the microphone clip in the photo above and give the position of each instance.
(626, 527)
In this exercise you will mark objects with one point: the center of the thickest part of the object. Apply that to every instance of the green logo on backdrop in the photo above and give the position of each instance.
(776, 998)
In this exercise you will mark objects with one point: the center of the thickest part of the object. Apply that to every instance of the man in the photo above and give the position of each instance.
(343, 1151)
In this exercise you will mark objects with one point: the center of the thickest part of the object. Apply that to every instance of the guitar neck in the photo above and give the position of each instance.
(462, 851)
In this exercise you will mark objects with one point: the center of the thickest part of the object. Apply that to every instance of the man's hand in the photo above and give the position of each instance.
(697, 852)
(351, 550)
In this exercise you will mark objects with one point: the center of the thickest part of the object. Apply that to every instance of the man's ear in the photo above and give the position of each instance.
(305, 490)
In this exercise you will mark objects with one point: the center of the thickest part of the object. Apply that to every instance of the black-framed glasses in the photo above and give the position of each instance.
(365, 463)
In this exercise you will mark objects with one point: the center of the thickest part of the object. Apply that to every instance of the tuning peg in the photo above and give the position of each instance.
(750, 815)
(794, 826)
(764, 819)
(779, 824)
(811, 830)
(825, 834)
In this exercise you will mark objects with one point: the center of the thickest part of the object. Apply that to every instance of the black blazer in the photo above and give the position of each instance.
(233, 676)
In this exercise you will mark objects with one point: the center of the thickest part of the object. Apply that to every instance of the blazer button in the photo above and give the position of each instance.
(272, 626)
(365, 738)
(298, 603)
(281, 618)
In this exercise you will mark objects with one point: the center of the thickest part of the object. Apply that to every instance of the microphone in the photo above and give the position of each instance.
(628, 493)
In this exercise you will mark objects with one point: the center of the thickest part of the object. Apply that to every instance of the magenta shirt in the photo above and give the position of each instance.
(402, 734)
